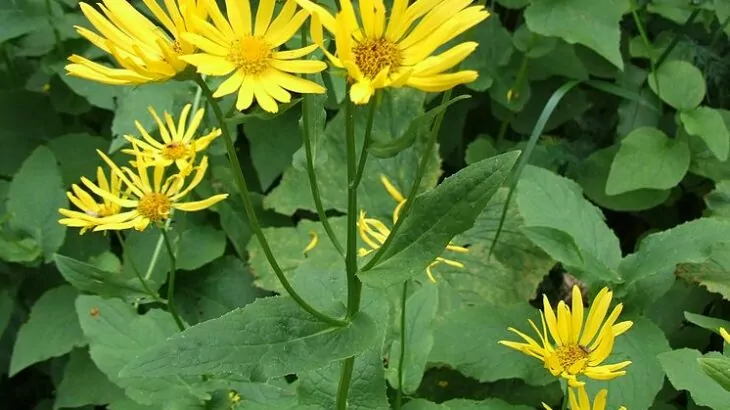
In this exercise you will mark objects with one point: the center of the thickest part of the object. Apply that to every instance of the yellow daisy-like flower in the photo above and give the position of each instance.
(249, 51)
(91, 210)
(145, 52)
(150, 202)
(374, 233)
(396, 51)
(580, 347)
(725, 335)
(581, 401)
(178, 143)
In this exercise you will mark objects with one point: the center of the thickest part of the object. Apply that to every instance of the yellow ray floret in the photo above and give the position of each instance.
(246, 49)
(579, 346)
(179, 144)
(150, 201)
(92, 211)
(374, 233)
(144, 51)
(380, 51)
(581, 401)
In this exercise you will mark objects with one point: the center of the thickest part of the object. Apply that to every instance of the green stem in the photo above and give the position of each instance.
(564, 406)
(344, 385)
(251, 212)
(426, 155)
(677, 35)
(353, 282)
(136, 271)
(171, 280)
(399, 394)
(366, 142)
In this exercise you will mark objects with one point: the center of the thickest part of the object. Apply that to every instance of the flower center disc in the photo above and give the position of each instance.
(572, 358)
(154, 206)
(373, 55)
(250, 54)
(174, 151)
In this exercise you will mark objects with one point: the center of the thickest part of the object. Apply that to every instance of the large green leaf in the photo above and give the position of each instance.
(684, 372)
(117, 334)
(34, 198)
(89, 278)
(273, 143)
(494, 51)
(594, 24)
(549, 201)
(714, 273)
(270, 337)
(647, 159)
(436, 217)
(718, 368)
(52, 329)
(67, 149)
(392, 118)
(199, 245)
(707, 123)
(463, 404)
(679, 84)
(83, 383)
(16, 19)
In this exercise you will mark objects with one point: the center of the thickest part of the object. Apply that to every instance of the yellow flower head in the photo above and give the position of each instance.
(579, 347)
(178, 144)
(374, 233)
(725, 335)
(396, 51)
(91, 210)
(247, 49)
(150, 202)
(581, 401)
(145, 52)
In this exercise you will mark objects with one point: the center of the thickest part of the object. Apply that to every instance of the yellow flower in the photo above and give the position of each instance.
(374, 233)
(178, 143)
(580, 347)
(250, 51)
(725, 335)
(91, 210)
(397, 51)
(580, 401)
(145, 52)
(150, 202)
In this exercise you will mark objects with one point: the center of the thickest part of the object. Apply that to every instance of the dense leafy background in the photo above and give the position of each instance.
(628, 186)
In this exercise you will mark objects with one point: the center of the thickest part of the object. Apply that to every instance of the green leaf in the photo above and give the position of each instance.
(19, 250)
(647, 158)
(83, 383)
(685, 373)
(710, 323)
(98, 94)
(476, 331)
(52, 330)
(463, 404)
(547, 200)
(17, 19)
(34, 198)
(117, 334)
(479, 149)
(649, 272)
(268, 338)
(718, 201)
(679, 84)
(436, 217)
(714, 273)
(593, 24)
(531, 44)
(215, 290)
(421, 309)
(718, 368)
(145, 251)
(367, 390)
(592, 175)
(644, 377)
(89, 278)
(273, 142)
(494, 52)
(199, 245)
(707, 123)
(66, 149)
(394, 114)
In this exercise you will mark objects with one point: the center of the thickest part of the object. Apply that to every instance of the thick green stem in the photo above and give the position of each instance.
(422, 166)
(354, 286)
(344, 385)
(366, 141)
(171, 281)
(251, 212)
(401, 360)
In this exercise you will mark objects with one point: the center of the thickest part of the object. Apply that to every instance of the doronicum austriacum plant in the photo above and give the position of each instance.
(368, 205)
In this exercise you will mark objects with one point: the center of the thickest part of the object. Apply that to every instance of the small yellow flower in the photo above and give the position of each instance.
(313, 242)
(249, 51)
(178, 145)
(374, 233)
(725, 335)
(580, 347)
(91, 210)
(150, 202)
(581, 401)
(397, 50)
(145, 52)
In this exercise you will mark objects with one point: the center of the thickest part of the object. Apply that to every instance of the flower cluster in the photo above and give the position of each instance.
(150, 188)
(579, 345)
(387, 49)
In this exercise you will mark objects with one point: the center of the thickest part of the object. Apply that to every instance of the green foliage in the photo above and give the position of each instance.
(685, 373)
